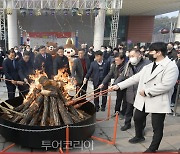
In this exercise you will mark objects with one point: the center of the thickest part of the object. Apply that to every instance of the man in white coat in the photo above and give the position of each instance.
(156, 81)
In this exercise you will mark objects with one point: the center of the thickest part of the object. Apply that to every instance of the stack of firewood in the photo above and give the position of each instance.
(48, 105)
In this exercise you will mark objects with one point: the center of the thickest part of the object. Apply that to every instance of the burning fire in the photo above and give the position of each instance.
(68, 83)
(62, 78)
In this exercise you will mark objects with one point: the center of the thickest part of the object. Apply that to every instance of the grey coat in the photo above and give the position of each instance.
(128, 72)
(77, 70)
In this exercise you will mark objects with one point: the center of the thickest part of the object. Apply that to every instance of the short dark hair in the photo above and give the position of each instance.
(177, 42)
(121, 44)
(26, 53)
(60, 47)
(41, 47)
(171, 43)
(110, 47)
(136, 50)
(81, 50)
(120, 55)
(159, 46)
(99, 52)
(116, 49)
(142, 47)
(10, 51)
(16, 47)
(103, 46)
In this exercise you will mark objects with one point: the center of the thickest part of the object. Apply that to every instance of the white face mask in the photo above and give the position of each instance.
(108, 49)
(175, 47)
(127, 54)
(134, 60)
(27, 49)
(16, 51)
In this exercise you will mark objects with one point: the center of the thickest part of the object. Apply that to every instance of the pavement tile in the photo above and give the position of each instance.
(16, 148)
(164, 146)
(124, 146)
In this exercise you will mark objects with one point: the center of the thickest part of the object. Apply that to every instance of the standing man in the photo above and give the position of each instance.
(31, 54)
(105, 53)
(25, 69)
(61, 61)
(90, 54)
(98, 69)
(2, 56)
(18, 53)
(171, 52)
(10, 68)
(156, 82)
(115, 71)
(80, 69)
(135, 65)
(173, 99)
(44, 62)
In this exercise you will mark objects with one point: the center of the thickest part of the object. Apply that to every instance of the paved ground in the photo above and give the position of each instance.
(170, 142)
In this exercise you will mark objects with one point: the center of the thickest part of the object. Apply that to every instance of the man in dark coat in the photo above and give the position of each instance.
(80, 69)
(44, 62)
(18, 53)
(135, 64)
(10, 68)
(98, 69)
(25, 69)
(115, 71)
(90, 54)
(31, 54)
(2, 56)
(171, 52)
(61, 61)
(173, 99)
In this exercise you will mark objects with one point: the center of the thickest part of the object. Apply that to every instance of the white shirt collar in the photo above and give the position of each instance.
(100, 63)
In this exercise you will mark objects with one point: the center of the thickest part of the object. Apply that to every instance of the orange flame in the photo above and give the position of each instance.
(68, 83)
(62, 78)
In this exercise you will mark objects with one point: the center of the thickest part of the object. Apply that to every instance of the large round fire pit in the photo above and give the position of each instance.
(47, 136)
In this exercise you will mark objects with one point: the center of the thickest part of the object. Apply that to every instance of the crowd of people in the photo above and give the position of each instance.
(144, 78)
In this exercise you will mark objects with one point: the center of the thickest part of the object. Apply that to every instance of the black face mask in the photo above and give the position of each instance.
(150, 56)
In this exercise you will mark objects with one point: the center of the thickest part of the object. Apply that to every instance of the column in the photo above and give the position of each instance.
(99, 28)
(12, 27)
(177, 35)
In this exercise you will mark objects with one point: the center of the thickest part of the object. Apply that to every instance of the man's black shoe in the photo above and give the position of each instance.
(149, 151)
(135, 140)
(125, 127)
(97, 109)
(103, 109)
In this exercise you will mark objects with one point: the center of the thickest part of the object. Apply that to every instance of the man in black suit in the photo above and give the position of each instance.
(25, 69)
(10, 68)
(61, 61)
(18, 53)
(98, 69)
(2, 56)
(115, 71)
(79, 70)
(171, 52)
(31, 54)
(44, 62)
